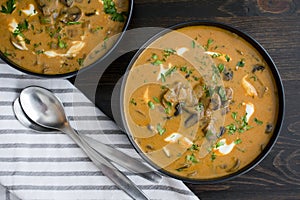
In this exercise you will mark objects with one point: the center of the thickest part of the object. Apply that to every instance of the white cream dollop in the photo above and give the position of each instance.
(177, 137)
(224, 148)
(31, 11)
(249, 110)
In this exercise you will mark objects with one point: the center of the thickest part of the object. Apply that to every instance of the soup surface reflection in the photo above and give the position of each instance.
(200, 102)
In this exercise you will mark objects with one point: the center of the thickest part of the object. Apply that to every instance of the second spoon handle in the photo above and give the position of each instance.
(106, 167)
(123, 159)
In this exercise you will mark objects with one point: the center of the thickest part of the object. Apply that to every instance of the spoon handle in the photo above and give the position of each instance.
(106, 167)
(123, 159)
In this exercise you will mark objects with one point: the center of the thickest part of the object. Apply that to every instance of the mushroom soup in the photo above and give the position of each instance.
(56, 36)
(200, 102)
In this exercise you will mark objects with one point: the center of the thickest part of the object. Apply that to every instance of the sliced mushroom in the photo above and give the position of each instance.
(258, 68)
(215, 102)
(184, 166)
(53, 45)
(67, 2)
(181, 93)
(235, 166)
(191, 120)
(178, 109)
(150, 147)
(194, 173)
(47, 6)
(227, 75)
(269, 128)
(73, 14)
(229, 93)
(225, 110)
(222, 131)
(199, 91)
(223, 166)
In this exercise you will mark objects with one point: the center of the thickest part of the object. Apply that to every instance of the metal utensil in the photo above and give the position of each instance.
(109, 152)
(42, 107)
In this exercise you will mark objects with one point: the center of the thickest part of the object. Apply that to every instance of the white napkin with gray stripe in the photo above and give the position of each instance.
(50, 165)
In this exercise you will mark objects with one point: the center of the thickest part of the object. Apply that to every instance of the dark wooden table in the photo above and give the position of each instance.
(273, 23)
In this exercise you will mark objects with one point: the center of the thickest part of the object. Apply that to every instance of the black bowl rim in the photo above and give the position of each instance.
(279, 85)
(71, 74)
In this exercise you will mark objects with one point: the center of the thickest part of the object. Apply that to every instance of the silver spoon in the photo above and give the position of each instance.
(42, 107)
(109, 152)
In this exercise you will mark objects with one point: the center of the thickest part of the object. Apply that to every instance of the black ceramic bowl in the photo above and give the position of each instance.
(96, 63)
(281, 102)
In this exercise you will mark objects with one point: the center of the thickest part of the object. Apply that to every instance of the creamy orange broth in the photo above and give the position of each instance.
(52, 37)
(202, 115)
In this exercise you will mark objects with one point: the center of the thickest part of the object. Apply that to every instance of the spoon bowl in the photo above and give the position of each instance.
(42, 107)
(21, 116)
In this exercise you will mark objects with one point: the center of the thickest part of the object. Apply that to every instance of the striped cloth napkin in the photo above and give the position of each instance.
(50, 165)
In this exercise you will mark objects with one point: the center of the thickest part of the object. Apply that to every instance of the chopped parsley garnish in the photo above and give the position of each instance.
(254, 78)
(22, 26)
(6, 54)
(213, 156)
(10, 7)
(208, 91)
(80, 61)
(209, 42)
(220, 143)
(151, 105)
(156, 99)
(97, 29)
(132, 101)
(193, 44)
(110, 8)
(194, 147)
(35, 45)
(38, 52)
(154, 56)
(258, 122)
(227, 58)
(183, 69)
(168, 52)
(231, 128)
(234, 115)
(163, 78)
(238, 141)
(73, 23)
(62, 44)
(45, 20)
(241, 63)
(192, 158)
(215, 55)
(160, 129)
(199, 107)
(221, 67)
(157, 62)
(170, 71)
(239, 125)
(222, 93)
(27, 41)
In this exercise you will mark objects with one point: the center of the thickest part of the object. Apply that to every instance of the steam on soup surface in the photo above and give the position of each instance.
(200, 102)
(56, 36)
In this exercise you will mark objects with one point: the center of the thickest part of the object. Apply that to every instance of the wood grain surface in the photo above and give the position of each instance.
(275, 24)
